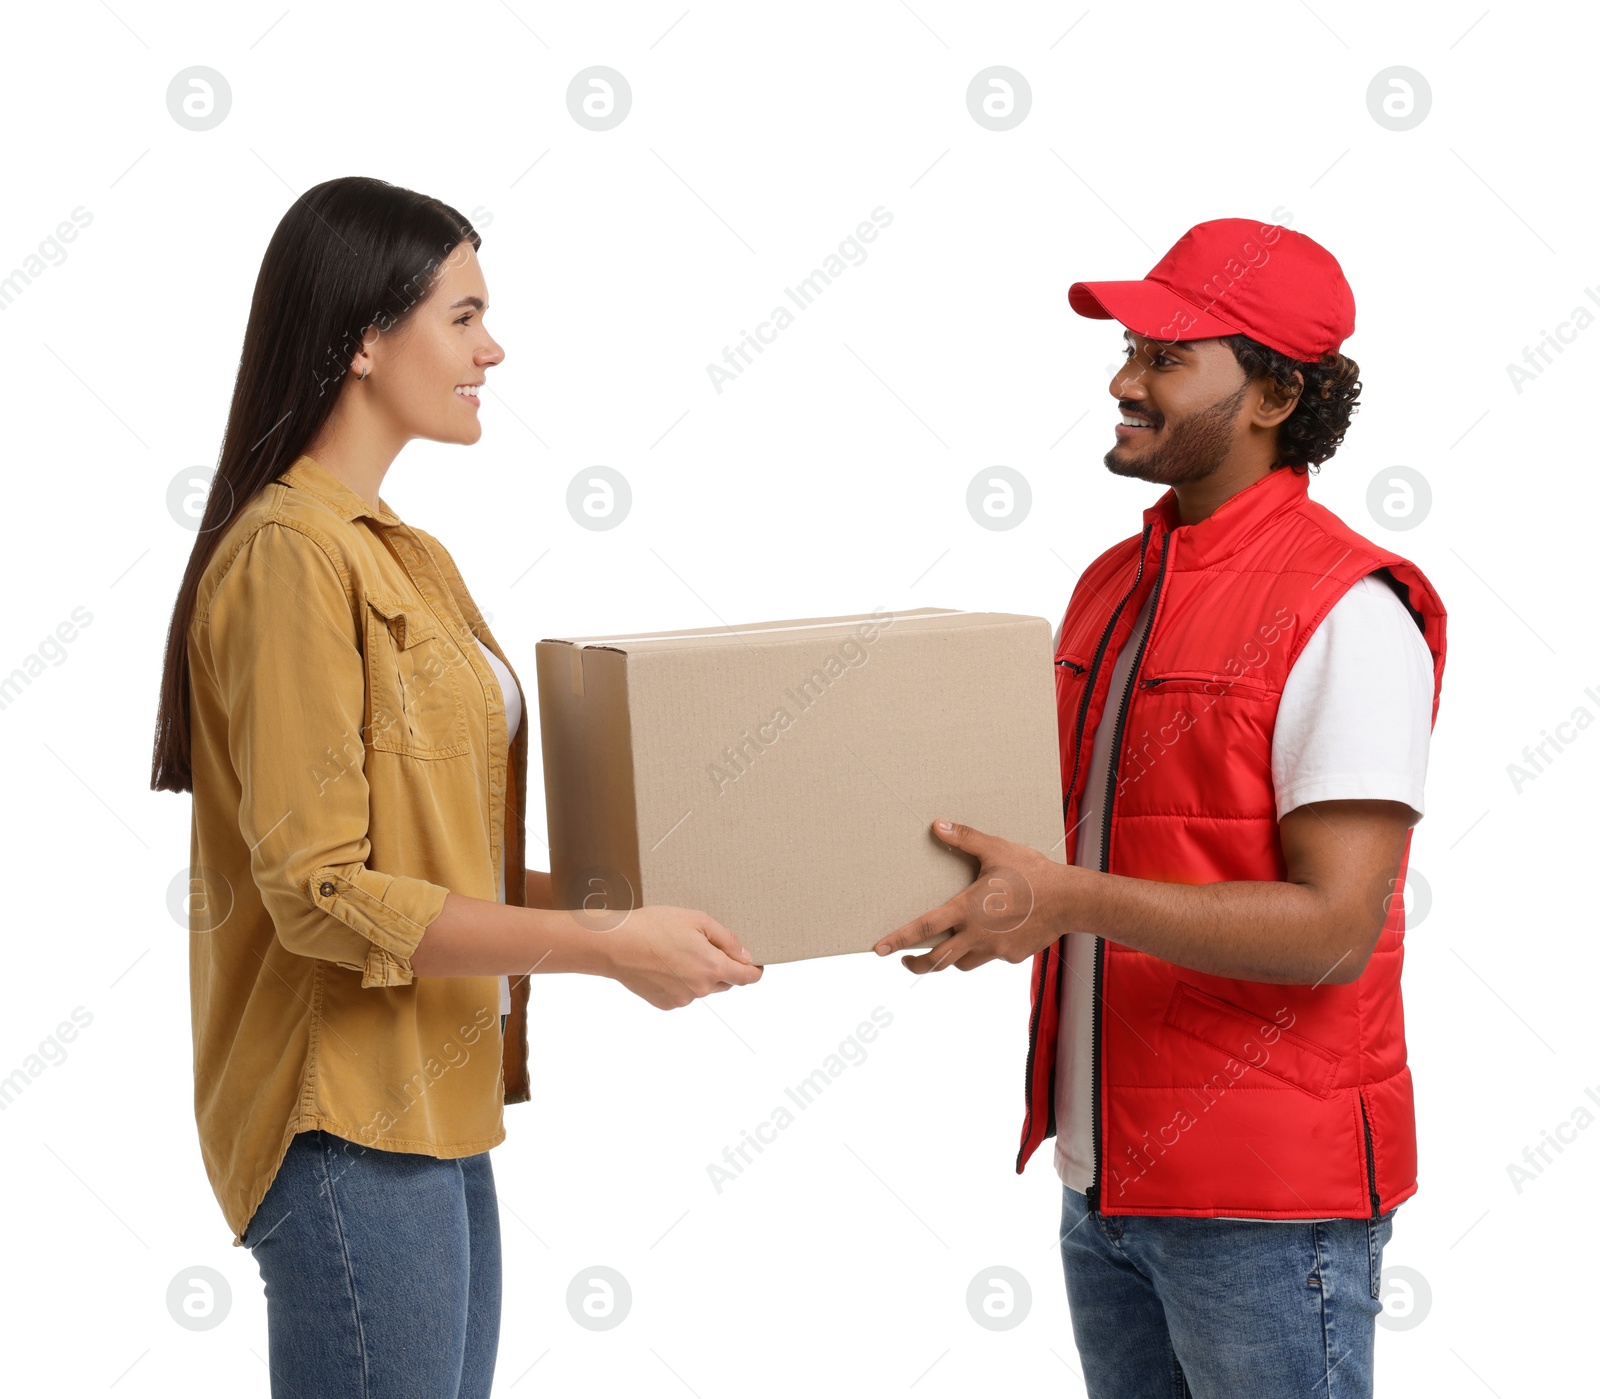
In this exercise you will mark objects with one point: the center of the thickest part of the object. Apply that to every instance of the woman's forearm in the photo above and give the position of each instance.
(669, 956)
(483, 937)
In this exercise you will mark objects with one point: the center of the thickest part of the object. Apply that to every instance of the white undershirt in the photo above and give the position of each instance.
(513, 700)
(1353, 722)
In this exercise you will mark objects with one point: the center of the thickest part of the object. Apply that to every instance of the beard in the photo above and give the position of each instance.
(1193, 448)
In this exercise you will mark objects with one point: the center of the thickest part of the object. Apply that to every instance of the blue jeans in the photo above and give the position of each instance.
(1169, 1307)
(382, 1272)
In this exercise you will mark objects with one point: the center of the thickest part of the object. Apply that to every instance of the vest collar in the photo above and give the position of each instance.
(307, 475)
(1231, 525)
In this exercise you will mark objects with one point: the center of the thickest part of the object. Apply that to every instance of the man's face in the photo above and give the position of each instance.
(1196, 399)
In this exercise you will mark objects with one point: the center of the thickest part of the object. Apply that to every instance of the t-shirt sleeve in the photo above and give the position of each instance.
(1357, 709)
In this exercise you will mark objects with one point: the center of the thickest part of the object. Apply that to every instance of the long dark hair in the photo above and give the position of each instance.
(350, 255)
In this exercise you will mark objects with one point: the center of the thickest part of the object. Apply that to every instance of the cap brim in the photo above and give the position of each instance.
(1147, 308)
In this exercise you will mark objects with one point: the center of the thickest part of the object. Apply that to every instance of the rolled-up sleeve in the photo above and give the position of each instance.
(288, 662)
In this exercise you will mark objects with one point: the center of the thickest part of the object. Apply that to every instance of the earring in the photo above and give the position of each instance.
(362, 374)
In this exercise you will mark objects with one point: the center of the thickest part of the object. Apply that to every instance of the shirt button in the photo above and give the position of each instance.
(325, 888)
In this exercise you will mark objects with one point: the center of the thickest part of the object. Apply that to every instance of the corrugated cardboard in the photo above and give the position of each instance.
(784, 776)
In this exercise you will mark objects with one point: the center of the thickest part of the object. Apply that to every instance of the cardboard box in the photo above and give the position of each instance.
(784, 776)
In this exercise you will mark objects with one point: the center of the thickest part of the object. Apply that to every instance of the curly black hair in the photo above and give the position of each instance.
(1312, 433)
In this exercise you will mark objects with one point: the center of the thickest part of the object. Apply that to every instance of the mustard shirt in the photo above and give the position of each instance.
(351, 766)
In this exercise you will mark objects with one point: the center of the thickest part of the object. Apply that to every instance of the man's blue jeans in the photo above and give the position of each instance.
(1168, 1307)
(382, 1272)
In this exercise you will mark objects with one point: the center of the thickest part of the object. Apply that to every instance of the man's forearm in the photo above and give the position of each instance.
(1269, 930)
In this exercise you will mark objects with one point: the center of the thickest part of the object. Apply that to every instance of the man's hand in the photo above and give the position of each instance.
(1018, 904)
(1319, 924)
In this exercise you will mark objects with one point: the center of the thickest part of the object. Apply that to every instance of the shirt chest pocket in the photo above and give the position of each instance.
(415, 702)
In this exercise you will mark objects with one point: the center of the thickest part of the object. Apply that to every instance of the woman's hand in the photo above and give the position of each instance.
(672, 956)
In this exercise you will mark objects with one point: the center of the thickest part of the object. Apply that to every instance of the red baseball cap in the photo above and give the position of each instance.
(1234, 277)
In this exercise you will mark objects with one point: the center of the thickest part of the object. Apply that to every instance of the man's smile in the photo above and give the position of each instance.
(1134, 425)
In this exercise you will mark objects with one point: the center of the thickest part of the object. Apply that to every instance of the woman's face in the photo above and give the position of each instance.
(418, 374)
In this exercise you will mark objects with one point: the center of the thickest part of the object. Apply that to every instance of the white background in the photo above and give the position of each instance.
(829, 478)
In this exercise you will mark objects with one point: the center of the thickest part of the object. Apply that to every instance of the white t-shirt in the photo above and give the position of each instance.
(513, 699)
(1353, 722)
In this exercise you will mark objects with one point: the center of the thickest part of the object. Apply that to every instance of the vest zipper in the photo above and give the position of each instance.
(1044, 962)
(1076, 668)
(1094, 668)
(1372, 1172)
(1096, 1067)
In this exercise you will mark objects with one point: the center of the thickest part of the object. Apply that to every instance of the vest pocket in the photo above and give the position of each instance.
(415, 703)
(1204, 683)
(1253, 1039)
(1071, 683)
(1070, 672)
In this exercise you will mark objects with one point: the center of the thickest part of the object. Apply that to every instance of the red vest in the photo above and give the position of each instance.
(1213, 1095)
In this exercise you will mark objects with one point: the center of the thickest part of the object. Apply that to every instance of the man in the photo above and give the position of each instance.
(1245, 692)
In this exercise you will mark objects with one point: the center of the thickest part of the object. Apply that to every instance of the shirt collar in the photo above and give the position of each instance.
(305, 474)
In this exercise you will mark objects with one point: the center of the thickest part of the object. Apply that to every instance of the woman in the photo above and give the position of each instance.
(353, 737)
